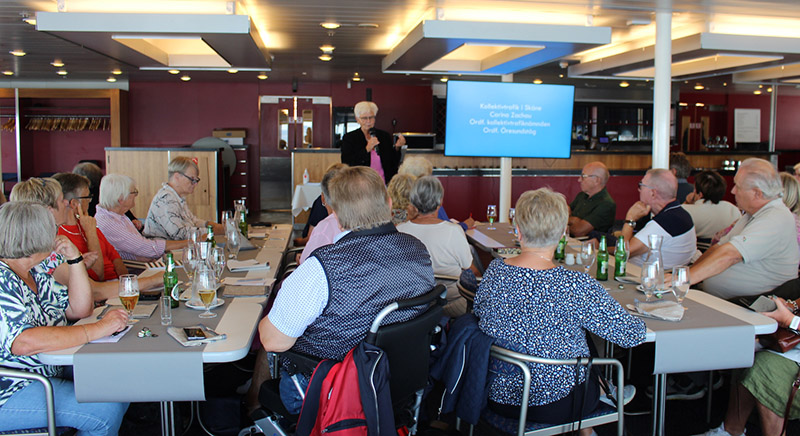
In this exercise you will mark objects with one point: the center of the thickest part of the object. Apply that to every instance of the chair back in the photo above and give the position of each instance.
(468, 295)
(605, 415)
(48, 396)
(408, 344)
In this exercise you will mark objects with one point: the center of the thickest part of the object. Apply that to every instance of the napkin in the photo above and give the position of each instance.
(180, 335)
(258, 233)
(664, 310)
(246, 265)
(243, 281)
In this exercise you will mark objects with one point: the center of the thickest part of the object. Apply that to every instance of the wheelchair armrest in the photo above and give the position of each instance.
(302, 363)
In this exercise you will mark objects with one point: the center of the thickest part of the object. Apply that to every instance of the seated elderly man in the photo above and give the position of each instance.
(593, 208)
(81, 229)
(169, 216)
(761, 251)
(657, 192)
(344, 285)
(710, 213)
(118, 196)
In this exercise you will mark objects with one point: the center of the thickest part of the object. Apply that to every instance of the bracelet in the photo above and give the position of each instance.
(85, 333)
(793, 305)
(76, 260)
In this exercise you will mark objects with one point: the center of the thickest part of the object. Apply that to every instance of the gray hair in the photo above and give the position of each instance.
(541, 217)
(90, 171)
(113, 188)
(359, 198)
(180, 164)
(26, 228)
(326, 179)
(45, 190)
(680, 163)
(663, 182)
(363, 107)
(791, 192)
(426, 194)
(761, 175)
(416, 166)
(71, 183)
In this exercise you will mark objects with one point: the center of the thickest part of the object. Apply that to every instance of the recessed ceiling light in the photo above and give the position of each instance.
(61, 72)
(233, 71)
(444, 79)
(325, 57)
(560, 76)
(757, 92)
(8, 73)
(262, 76)
(699, 104)
(174, 71)
(356, 77)
(111, 79)
(769, 89)
(330, 25)
(116, 71)
(699, 87)
(537, 81)
(724, 83)
(186, 78)
(683, 104)
(57, 63)
(18, 52)
(760, 86)
(624, 84)
(327, 48)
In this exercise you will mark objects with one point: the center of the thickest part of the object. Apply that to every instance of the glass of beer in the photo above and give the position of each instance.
(491, 215)
(205, 282)
(129, 293)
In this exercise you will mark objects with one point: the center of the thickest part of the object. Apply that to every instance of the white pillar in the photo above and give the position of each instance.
(662, 88)
(18, 120)
(505, 174)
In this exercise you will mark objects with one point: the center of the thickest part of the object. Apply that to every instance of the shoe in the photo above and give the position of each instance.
(719, 431)
(627, 395)
(680, 390)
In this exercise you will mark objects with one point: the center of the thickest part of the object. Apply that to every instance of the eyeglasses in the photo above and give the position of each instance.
(85, 197)
(586, 176)
(134, 192)
(369, 118)
(641, 185)
(194, 180)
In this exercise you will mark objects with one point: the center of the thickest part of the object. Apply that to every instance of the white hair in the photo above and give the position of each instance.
(761, 175)
(363, 107)
(113, 188)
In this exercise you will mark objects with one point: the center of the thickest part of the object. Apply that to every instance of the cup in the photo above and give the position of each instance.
(570, 260)
(165, 307)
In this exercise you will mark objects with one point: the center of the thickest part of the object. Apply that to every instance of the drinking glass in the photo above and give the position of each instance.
(227, 215)
(218, 260)
(650, 273)
(129, 293)
(511, 214)
(233, 244)
(588, 255)
(491, 215)
(195, 235)
(205, 284)
(190, 260)
(204, 252)
(680, 282)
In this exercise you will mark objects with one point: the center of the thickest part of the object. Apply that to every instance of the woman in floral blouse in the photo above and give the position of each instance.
(34, 312)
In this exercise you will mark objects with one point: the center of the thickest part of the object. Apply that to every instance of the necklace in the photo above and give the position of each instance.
(80, 231)
(549, 259)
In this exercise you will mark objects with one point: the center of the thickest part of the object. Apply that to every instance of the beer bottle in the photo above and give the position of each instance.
(243, 223)
(620, 258)
(210, 236)
(602, 260)
(170, 279)
(561, 249)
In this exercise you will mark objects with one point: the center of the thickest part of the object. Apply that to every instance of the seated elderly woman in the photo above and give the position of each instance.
(532, 306)
(169, 216)
(399, 190)
(34, 311)
(118, 196)
(445, 241)
(791, 198)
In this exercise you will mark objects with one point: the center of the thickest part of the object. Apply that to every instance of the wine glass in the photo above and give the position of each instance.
(205, 284)
(680, 282)
(227, 215)
(587, 256)
(491, 215)
(129, 293)
(234, 242)
(218, 260)
(190, 260)
(511, 214)
(195, 235)
(204, 252)
(649, 278)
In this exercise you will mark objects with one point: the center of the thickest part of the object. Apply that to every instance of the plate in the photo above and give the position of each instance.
(663, 291)
(217, 303)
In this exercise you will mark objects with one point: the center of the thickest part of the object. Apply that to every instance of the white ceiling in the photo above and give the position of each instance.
(292, 34)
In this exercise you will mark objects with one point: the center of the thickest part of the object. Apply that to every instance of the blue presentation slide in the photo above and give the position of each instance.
(496, 119)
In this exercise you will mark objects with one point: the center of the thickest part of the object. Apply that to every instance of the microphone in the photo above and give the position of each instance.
(372, 132)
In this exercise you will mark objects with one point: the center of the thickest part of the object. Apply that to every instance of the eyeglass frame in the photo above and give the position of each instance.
(586, 176)
(641, 184)
(194, 180)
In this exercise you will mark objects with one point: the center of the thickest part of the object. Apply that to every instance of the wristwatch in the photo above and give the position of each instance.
(631, 223)
(74, 261)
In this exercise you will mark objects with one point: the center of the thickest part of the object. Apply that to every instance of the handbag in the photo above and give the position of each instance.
(781, 341)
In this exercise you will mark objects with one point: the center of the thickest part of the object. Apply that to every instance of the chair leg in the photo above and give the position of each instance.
(417, 405)
(710, 392)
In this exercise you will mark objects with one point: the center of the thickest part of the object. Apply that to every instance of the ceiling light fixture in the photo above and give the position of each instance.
(757, 92)
(699, 87)
(560, 76)
(116, 71)
(174, 71)
(769, 89)
(444, 79)
(111, 79)
(330, 25)
(325, 57)
(262, 76)
(61, 72)
(186, 78)
(18, 52)
(233, 71)
(8, 73)
(327, 48)
(699, 104)
(624, 84)
(537, 81)
(57, 63)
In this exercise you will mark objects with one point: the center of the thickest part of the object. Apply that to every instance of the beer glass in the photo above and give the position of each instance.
(491, 215)
(205, 285)
(587, 256)
(190, 260)
(129, 293)
(512, 213)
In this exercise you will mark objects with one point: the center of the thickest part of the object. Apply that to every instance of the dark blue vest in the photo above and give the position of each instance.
(366, 271)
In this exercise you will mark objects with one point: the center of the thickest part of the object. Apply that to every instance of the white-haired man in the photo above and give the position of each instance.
(657, 192)
(760, 252)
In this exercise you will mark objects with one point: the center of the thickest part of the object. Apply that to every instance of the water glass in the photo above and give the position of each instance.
(680, 282)
(491, 215)
(128, 292)
(165, 308)
(227, 215)
(218, 261)
(195, 235)
(190, 260)
(233, 244)
(650, 273)
(587, 256)
(204, 252)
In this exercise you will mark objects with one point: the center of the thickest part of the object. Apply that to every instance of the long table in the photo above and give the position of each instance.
(238, 321)
(705, 339)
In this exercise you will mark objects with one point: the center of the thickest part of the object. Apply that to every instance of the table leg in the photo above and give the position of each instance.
(167, 418)
(659, 403)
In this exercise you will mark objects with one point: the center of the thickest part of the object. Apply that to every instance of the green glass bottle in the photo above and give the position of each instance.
(561, 249)
(243, 223)
(170, 279)
(602, 260)
(210, 236)
(620, 258)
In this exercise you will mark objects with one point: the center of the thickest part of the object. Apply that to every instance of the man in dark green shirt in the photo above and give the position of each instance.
(593, 208)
